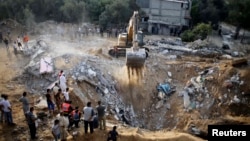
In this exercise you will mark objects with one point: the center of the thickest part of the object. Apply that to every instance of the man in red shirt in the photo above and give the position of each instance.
(25, 40)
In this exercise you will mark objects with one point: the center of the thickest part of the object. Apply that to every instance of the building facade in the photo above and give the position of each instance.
(165, 16)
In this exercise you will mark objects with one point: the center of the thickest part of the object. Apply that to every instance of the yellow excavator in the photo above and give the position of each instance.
(130, 44)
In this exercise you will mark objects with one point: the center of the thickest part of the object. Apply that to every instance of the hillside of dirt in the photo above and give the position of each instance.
(205, 87)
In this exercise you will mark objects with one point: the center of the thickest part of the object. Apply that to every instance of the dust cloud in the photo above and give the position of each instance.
(131, 85)
(130, 75)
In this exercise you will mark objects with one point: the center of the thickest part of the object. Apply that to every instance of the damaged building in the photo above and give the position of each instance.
(165, 17)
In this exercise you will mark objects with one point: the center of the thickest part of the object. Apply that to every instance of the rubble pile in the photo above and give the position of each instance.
(199, 47)
(105, 86)
(36, 82)
(233, 87)
(197, 44)
(196, 95)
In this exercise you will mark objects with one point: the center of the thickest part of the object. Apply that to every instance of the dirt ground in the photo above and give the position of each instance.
(162, 124)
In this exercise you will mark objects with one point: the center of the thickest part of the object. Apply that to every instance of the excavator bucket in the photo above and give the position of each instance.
(135, 59)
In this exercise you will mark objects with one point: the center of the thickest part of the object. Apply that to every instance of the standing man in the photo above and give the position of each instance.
(6, 42)
(58, 100)
(64, 123)
(25, 40)
(66, 94)
(19, 42)
(101, 115)
(31, 122)
(59, 75)
(67, 109)
(88, 115)
(75, 117)
(62, 83)
(7, 110)
(55, 88)
(25, 102)
(50, 103)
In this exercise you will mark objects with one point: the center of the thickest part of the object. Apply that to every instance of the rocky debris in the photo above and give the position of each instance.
(204, 48)
(170, 41)
(42, 104)
(195, 94)
(105, 86)
(201, 48)
(197, 132)
(34, 80)
(197, 44)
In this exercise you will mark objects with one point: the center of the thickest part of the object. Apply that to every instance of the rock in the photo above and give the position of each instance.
(186, 100)
(236, 99)
(168, 106)
(235, 54)
(161, 95)
(228, 84)
(225, 56)
(42, 104)
(169, 74)
(159, 104)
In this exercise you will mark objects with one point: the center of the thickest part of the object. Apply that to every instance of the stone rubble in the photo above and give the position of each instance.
(105, 86)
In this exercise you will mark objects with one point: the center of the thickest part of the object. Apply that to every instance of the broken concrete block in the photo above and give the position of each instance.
(239, 62)
(159, 104)
(169, 74)
(161, 95)
(228, 84)
(186, 99)
(42, 104)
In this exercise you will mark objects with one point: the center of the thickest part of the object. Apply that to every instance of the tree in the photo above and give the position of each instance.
(208, 11)
(72, 11)
(201, 31)
(29, 18)
(239, 15)
(117, 12)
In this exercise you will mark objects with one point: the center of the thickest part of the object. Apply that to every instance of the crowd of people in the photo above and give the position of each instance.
(59, 103)
(20, 43)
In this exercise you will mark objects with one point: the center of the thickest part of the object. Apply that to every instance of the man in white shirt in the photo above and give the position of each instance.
(88, 115)
(7, 110)
(66, 94)
(62, 80)
(64, 123)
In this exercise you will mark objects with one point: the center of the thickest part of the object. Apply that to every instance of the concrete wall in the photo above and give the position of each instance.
(166, 13)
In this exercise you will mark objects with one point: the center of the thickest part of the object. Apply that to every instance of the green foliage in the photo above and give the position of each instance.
(105, 12)
(188, 36)
(239, 13)
(201, 31)
(116, 13)
(29, 18)
(72, 11)
(208, 11)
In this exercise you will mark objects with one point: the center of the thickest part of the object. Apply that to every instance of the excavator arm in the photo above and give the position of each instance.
(135, 56)
(130, 44)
